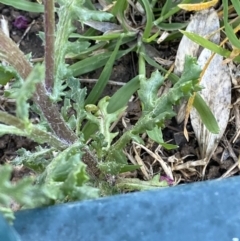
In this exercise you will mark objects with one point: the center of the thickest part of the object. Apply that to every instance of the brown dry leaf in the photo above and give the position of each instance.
(204, 23)
(216, 82)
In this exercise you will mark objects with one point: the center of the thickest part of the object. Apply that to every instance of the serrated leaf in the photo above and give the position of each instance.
(23, 192)
(104, 119)
(27, 90)
(11, 130)
(99, 145)
(148, 90)
(66, 176)
(77, 47)
(6, 74)
(163, 109)
(114, 163)
(36, 161)
(85, 14)
(217, 94)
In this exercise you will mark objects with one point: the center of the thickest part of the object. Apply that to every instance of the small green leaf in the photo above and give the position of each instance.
(85, 14)
(156, 135)
(6, 74)
(134, 184)
(148, 90)
(206, 115)
(77, 47)
(27, 90)
(129, 168)
(104, 120)
(36, 161)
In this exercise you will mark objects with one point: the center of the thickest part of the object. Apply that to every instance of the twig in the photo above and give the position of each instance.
(26, 31)
(110, 82)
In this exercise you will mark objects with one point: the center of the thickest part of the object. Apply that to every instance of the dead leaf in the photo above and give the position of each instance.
(205, 24)
(216, 82)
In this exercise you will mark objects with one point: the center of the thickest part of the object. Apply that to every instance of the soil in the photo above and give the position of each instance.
(183, 160)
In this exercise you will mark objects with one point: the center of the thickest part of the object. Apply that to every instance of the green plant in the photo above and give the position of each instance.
(66, 167)
(229, 31)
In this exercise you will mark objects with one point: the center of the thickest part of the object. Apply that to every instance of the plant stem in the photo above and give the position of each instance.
(32, 131)
(12, 54)
(53, 116)
(49, 26)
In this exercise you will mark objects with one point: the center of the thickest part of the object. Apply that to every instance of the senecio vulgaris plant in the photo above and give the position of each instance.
(74, 159)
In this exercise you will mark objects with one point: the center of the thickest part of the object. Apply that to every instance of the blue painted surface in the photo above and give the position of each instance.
(206, 211)
(7, 233)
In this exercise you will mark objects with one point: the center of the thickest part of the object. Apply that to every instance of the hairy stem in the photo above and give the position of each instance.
(11, 54)
(53, 116)
(49, 25)
(31, 131)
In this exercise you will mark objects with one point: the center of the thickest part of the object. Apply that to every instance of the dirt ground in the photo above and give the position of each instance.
(184, 157)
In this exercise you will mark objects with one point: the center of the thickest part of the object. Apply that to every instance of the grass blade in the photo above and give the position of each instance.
(95, 62)
(206, 114)
(123, 95)
(229, 30)
(236, 5)
(149, 15)
(104, 77)
(24, 5)
(209, 45)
